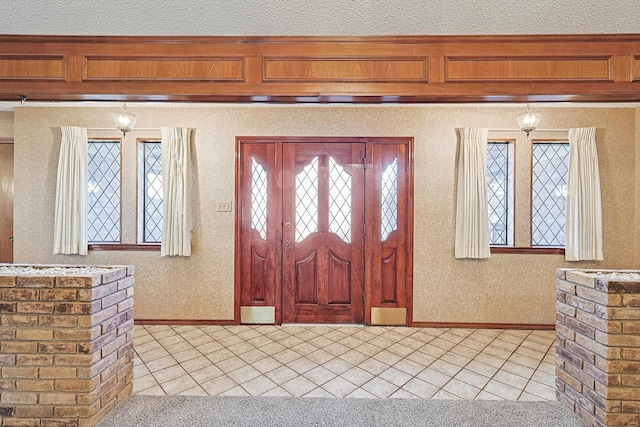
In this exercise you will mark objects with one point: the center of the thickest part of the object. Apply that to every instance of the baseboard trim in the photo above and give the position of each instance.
(533, 326)
(193, 322)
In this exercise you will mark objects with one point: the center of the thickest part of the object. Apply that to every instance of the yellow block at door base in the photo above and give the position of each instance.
(258, 315)
(388, 316)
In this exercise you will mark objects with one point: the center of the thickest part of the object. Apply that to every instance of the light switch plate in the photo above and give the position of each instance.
(224, 206)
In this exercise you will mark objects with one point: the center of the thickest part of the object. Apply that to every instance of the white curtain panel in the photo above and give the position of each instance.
(70, 227)
(176, 190)
(584, 206)
(472, 218)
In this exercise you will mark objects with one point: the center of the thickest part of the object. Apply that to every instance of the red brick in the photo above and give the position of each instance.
(581, 303)
(83, 411)
(76, 308)
(34, 282)
(77, 334)
(19, 398)
(59, 321)
(59, 295)
(97, 292)
(20, 294)
(57, 372)
(19, 347)
(51, 422)
(35, 385)
(35, 359)
(125, 283)
(57, 347)
(6, 307)
(7, 281)
(34, 334)
(58, 398)
(34, 411)
(77, 384)
(77, 282)
(566, 309)
(7, 359)
(19, 320)
(114, 274)
(126, 304)
(19, 372)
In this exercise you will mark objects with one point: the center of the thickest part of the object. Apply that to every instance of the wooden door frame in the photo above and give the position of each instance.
(11, 142)
(368, 141)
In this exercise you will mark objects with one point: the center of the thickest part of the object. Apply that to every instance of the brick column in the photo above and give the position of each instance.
(66, 353)
(598, 346)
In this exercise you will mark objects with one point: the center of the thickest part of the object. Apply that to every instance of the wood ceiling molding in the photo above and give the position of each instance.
(394, 69)
(104, 68)
(345, 69)
(32, 67)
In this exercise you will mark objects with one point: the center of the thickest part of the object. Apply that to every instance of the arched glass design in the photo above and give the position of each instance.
(389, 200)
(339, 201)
(307, 201)
(259, 198)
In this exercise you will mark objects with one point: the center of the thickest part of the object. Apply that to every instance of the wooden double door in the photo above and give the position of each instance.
(322, 229)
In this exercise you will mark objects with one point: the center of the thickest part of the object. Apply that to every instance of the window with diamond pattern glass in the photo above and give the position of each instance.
(152, 179)
(389, 200)
(259, 198)
(549, 193)
(500, 193)
(103, 191)
(307, 201)
(339, 201)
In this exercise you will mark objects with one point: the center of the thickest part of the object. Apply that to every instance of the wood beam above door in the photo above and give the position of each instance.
(397, 69)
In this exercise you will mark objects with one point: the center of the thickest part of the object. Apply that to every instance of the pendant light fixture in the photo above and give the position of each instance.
(528, 120)
(125, 122)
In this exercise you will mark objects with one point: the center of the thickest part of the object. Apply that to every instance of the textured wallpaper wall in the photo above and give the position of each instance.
(503, 289)
(6, 124)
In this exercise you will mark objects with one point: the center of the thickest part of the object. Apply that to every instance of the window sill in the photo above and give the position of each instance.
(526, 250)
(124, 247)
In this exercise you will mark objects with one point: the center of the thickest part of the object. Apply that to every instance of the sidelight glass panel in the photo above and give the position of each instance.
(152, 192)
(549, 193)
(104, 191)
(389, 199)
(339, 201)
(500, 192)
(258, 198)
(307, 201)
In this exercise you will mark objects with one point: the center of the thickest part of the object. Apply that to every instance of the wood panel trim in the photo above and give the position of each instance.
(123, 247)
(18, 67)
(526, 250)
(385, 69)
(532, 326)
(344, 69)
(164, 68)
(6, 140)
(191, 322)
(528, 68)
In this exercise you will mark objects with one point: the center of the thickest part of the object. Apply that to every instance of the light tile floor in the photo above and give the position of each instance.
(345, 361)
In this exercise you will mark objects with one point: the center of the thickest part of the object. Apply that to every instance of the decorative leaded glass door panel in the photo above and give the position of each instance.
(323, 232)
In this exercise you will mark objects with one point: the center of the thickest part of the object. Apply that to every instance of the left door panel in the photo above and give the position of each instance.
(6, 202)
(259, 235)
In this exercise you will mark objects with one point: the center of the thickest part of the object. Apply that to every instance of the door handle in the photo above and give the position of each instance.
(287, 243)
(11, 239)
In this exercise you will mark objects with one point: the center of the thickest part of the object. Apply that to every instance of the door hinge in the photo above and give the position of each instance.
(364, 163)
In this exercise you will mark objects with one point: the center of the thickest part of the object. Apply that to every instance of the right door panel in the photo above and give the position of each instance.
(390, 242)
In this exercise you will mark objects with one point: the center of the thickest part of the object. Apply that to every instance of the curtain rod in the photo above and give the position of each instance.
(116, 130)
(537, 130)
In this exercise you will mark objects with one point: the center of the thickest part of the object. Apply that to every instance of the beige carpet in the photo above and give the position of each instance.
(196, 411)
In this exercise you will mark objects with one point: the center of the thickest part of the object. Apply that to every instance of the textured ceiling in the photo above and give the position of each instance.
(319, 17)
